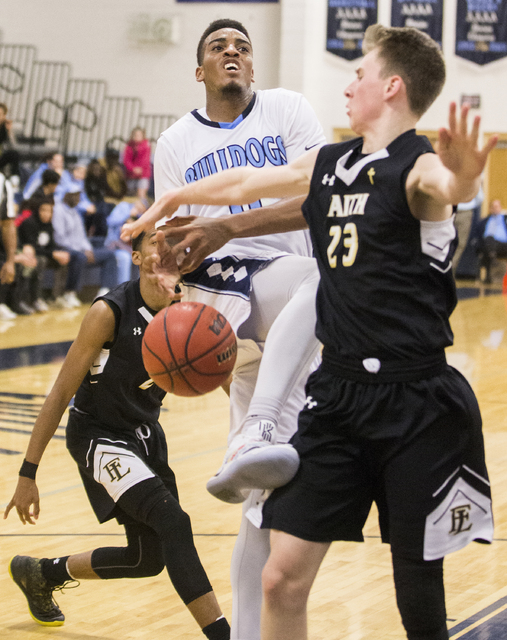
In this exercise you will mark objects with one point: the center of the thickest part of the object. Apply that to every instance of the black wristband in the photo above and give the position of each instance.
(28, 470)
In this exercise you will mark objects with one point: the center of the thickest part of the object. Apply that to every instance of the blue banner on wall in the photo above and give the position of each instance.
(481, 30)
(347, 20)
(426, 16)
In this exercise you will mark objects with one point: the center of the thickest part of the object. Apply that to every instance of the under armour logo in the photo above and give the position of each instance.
(137, 331)
(114, 470)
(310, 402)
(459, 517)
(328, 180)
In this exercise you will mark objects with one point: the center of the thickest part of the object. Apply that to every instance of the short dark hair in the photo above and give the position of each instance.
(414, 56)
(35, 203)
(137, 241)
(50, 177)
(222, 23)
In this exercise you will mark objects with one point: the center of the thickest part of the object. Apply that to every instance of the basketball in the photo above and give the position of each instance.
(189, 349)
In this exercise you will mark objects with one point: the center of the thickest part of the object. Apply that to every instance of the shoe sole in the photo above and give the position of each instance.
(260, 468)
(44, 623)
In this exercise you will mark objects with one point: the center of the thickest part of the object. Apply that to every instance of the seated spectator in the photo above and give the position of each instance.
(7, 245)
(36, 231)
(137, 163)
(123, 212)
(9, 157)
(493, 243)
(50, 180)
(115, 176)
(52, 161)
(93, 206)
(70, 234)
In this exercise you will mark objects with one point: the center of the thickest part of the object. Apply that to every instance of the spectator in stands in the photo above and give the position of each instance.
(494, 238)
(70, 234)
(93, 206)
(123, 212)
(9, 157)
(137, 163)
(115, 175)
(7, 244)
(37, 232)
(52, 161)
(47, 188)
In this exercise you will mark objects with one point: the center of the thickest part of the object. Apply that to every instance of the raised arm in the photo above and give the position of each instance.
(234, 186)
(96, 329)
(452, 176)
(196, 237)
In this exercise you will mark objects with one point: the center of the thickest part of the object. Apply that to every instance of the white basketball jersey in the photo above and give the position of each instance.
(276, 127)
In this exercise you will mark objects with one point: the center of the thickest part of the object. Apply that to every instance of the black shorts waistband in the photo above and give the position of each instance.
(376, 371)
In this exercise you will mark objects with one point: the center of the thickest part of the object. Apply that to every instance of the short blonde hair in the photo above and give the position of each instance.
(412, 55)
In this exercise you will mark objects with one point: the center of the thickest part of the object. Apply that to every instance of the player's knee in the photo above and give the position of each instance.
(149, 566)
(282, 590)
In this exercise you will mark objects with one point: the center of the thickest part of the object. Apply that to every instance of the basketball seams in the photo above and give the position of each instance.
(182, 374)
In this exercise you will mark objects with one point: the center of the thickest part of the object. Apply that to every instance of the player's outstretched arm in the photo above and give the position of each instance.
(234, 186)
(455, 174)
(195, 238)
(96, 329)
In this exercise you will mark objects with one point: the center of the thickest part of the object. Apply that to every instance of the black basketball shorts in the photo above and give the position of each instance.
(415, 448)
(111, 462)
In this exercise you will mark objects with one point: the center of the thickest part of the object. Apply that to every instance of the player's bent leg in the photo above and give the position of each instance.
(287, 579)
(250, 554)
(141, 558)
(151, 503)
(283, 313)
(421, 598)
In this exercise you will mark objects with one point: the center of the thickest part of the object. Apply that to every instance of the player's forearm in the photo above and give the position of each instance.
(45, 426)
(237, 186)
(447, 187)
(9, 238)
(280, 217)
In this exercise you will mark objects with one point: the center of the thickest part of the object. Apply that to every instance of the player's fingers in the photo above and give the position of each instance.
(192, 260)
(180, 221)
(490, 144)
(8, 509)
(444, 139)
(452, 117)
(474, 133)
(463, 121)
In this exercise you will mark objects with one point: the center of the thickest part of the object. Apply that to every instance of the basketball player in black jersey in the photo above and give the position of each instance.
(120, 448)
(386, 419)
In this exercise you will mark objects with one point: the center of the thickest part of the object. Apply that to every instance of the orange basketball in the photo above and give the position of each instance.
(189, 349)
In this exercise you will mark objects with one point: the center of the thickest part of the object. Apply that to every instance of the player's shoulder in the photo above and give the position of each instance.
(179, 129)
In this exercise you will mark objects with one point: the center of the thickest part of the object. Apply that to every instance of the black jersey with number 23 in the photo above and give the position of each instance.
(387, 288)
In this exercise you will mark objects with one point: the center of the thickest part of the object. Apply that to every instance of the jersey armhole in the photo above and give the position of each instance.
(117, 316)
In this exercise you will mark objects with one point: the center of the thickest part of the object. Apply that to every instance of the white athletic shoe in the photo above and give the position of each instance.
(6, 313)
(71, 299)
(253, 464)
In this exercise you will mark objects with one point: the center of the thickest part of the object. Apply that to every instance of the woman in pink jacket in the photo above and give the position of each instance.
(137, 163)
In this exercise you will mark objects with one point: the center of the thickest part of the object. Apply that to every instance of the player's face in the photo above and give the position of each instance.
(227, 61)
(365, 94)
(148, 247)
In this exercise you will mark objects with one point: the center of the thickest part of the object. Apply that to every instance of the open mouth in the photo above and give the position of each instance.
(232, 66)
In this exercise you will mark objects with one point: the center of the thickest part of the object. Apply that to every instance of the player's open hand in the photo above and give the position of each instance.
(25, 496)
(161, 269)
(164, 206)
(458, 148)
(194, 238)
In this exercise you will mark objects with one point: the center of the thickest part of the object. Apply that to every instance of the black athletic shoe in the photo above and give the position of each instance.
(27, 574)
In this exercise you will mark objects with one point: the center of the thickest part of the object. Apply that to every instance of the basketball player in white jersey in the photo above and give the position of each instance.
(265, 287)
